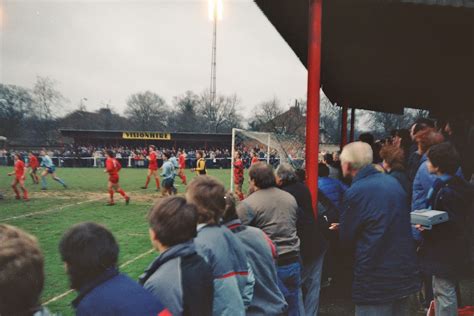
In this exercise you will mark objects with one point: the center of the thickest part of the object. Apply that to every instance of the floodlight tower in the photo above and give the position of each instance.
(215, 13)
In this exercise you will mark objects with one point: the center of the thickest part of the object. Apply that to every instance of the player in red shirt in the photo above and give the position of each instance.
(152, 168)
(254, 158)
(182, 166)
(112, 167)
(19, 174)
(33, 164)
(238, 175)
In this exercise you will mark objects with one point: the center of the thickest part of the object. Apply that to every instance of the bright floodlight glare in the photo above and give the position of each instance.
(216, 7)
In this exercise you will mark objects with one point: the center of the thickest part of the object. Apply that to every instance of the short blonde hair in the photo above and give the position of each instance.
(357, 154)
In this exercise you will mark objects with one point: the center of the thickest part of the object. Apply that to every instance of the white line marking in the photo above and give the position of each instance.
(48, 211)
(60, 296)
(55, 209)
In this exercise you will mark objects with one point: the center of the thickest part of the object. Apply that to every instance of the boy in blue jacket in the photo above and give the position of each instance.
(444, 252)
(233, 277)
(178, 276)
(90, 254)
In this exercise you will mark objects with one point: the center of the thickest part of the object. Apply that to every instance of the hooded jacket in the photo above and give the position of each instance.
(182, 279)
(233, 277)
(267, 297)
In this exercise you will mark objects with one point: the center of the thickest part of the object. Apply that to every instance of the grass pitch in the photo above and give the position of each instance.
(49, 213)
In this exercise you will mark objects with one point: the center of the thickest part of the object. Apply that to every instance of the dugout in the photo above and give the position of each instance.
(141, 139)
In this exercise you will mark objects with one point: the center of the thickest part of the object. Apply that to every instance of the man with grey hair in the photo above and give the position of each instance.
(312, 243)
(375, 227)
(275, 212)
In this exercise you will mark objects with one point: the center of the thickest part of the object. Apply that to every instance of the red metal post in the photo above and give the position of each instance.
(344, 127)
(312, 114)
(353, 114)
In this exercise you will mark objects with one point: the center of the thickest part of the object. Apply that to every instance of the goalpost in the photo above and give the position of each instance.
(277, 148)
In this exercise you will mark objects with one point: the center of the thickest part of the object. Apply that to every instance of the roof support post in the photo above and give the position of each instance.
(313, 112)
(353, 113)
(344, 126)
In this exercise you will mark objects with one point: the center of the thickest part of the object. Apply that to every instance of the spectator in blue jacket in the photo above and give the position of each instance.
(375, 225)
(178, 276)
(393, 164)
(332, 188)
(261, 253)
(444, 252)
(233, 277)
(90, 254)
(424, 179)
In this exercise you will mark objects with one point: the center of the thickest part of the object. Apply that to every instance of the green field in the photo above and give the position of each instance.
(49, 213)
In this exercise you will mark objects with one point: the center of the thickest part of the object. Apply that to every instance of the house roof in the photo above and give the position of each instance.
(385, 55)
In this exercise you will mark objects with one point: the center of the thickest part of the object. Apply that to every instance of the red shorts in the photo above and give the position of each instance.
(154, 168)
(114, 179)
(19, 178)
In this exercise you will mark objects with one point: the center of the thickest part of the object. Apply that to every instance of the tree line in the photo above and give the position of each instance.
(33, 114)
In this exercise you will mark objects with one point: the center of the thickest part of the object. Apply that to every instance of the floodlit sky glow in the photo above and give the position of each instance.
(106, 50)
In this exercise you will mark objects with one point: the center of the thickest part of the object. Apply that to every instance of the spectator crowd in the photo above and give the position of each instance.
(268, 254)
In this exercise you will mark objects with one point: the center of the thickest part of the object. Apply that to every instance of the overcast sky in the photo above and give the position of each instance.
(105, 50)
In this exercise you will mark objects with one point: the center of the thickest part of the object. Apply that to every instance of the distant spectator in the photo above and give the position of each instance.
(403, 140)
(393, 163)
(368, 138)
(423, 180)
(414, 156)
(178, 276)
(90, 254)
(275, 212)
(333, 189)
(233, 280)
(444, 252)
(313, 244)
(334, 172)
(21, 273)
(456, 131)
(375, 225)
(267, 297)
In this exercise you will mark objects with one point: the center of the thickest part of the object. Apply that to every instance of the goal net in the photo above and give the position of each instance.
(268, 147)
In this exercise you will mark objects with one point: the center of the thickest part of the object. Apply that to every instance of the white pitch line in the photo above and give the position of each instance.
(53, 209)
(60, 296)
(48, 211)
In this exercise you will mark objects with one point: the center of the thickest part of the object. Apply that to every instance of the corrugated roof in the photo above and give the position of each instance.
(384, 54)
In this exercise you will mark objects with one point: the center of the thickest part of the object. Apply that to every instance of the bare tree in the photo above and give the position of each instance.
(48, 100)
(184, 116)
(265, 114)
(222, 115)
(147, 110)
(15, 104)
(330, 121)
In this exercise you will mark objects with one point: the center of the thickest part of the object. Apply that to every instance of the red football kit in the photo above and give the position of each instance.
(254, 160)
(33, 162)
(113, 167)
(238, 172)
(153, 163)
(182, 161)
(19, 170)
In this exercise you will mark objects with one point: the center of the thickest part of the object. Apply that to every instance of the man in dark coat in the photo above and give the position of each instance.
(375, 225)
(444, 252)
(313, 244)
